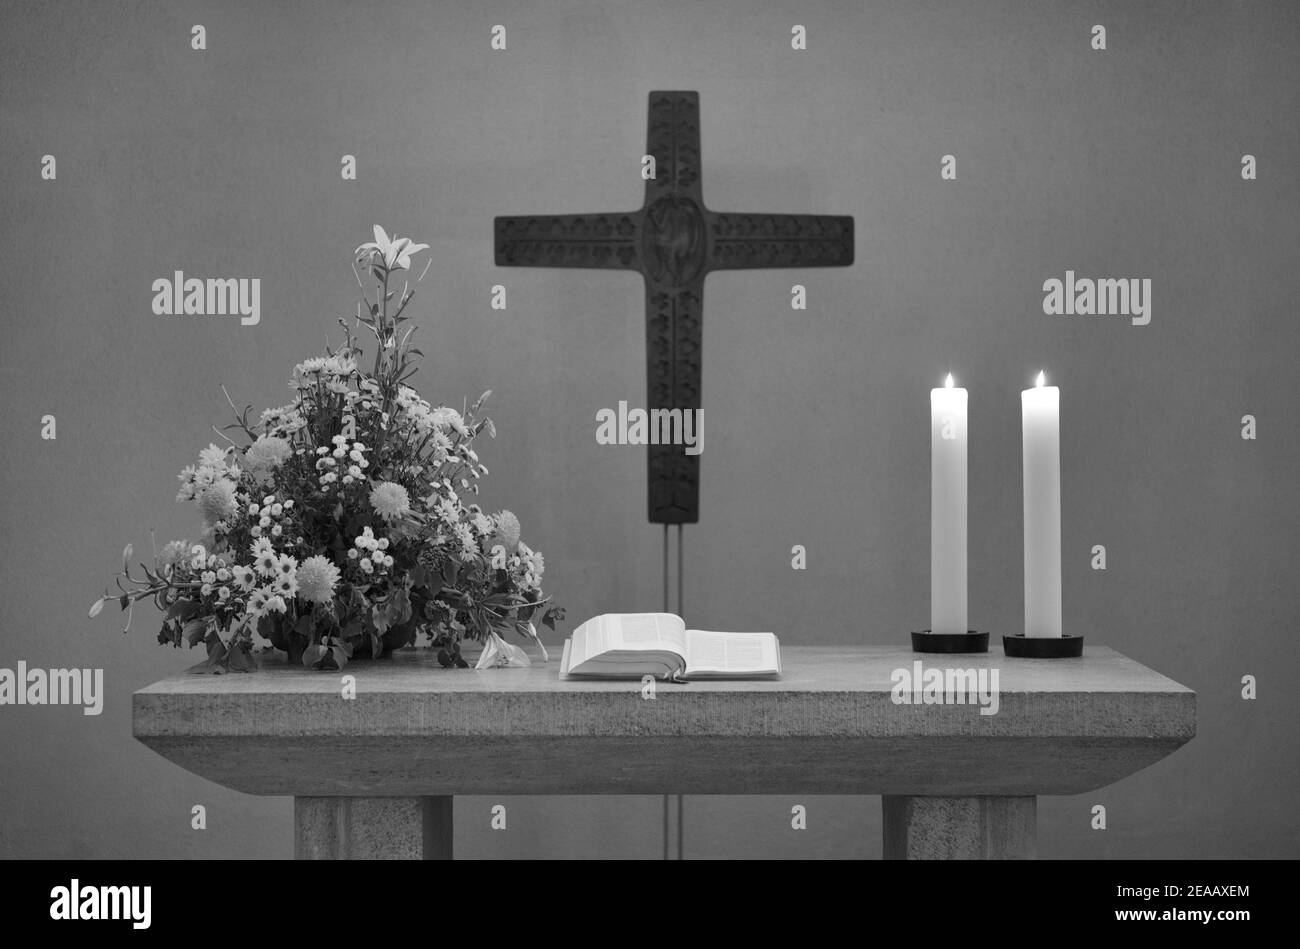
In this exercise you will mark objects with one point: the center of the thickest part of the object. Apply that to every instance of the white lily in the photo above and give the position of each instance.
(395, 252)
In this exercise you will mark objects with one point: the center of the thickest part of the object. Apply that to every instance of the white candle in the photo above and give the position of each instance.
(1040, 416)
(948, 509)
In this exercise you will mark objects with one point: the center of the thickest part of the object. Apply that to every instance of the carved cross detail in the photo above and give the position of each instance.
(674, 241)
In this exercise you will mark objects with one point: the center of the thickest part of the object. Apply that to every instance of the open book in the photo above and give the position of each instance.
(631, 645)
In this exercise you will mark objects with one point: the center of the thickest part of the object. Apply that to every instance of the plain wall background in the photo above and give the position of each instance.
(1118, 163)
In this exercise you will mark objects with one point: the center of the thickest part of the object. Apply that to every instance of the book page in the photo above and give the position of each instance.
(731, 653)
(627, 632)
(588, 640)
(564, 658)
(650, 631)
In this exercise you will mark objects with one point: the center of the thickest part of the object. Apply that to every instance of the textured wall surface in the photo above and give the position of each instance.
(1115, 163)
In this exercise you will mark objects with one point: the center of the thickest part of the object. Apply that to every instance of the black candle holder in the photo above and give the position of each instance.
(969, 641)
(1021, 646)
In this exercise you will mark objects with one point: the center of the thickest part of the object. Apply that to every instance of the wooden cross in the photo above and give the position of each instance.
(673, 242)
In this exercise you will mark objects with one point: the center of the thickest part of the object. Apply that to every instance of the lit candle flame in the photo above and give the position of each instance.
(1040, 380)
(947, 383)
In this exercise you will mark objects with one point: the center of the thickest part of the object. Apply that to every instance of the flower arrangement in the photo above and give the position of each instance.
(341, 528)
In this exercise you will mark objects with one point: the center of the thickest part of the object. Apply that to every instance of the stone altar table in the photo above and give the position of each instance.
(374, 776)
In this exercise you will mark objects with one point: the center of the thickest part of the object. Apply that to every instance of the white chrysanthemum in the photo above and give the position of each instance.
(466, 538)
(186, 478)
(317, 577)
(213, 457)
(339, 365)
(173, 552)
(445, 417)
(390, 500)
(217, 502)
(507, 530)
(266, 454)
(448, 511)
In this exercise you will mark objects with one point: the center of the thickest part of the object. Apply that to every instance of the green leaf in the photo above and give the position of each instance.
(313, 655)
(216, 650)
(240, 658)
(398, 607)
(183, 609)
(193, 631)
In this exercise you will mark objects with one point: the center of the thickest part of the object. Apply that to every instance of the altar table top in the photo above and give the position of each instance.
(829, 725)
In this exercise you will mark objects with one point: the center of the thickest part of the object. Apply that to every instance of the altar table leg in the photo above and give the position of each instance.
(372, 828)
(960, 828)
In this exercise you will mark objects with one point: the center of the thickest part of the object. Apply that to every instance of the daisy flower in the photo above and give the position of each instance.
(266, 562)
(257, 601)
(466, 538)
